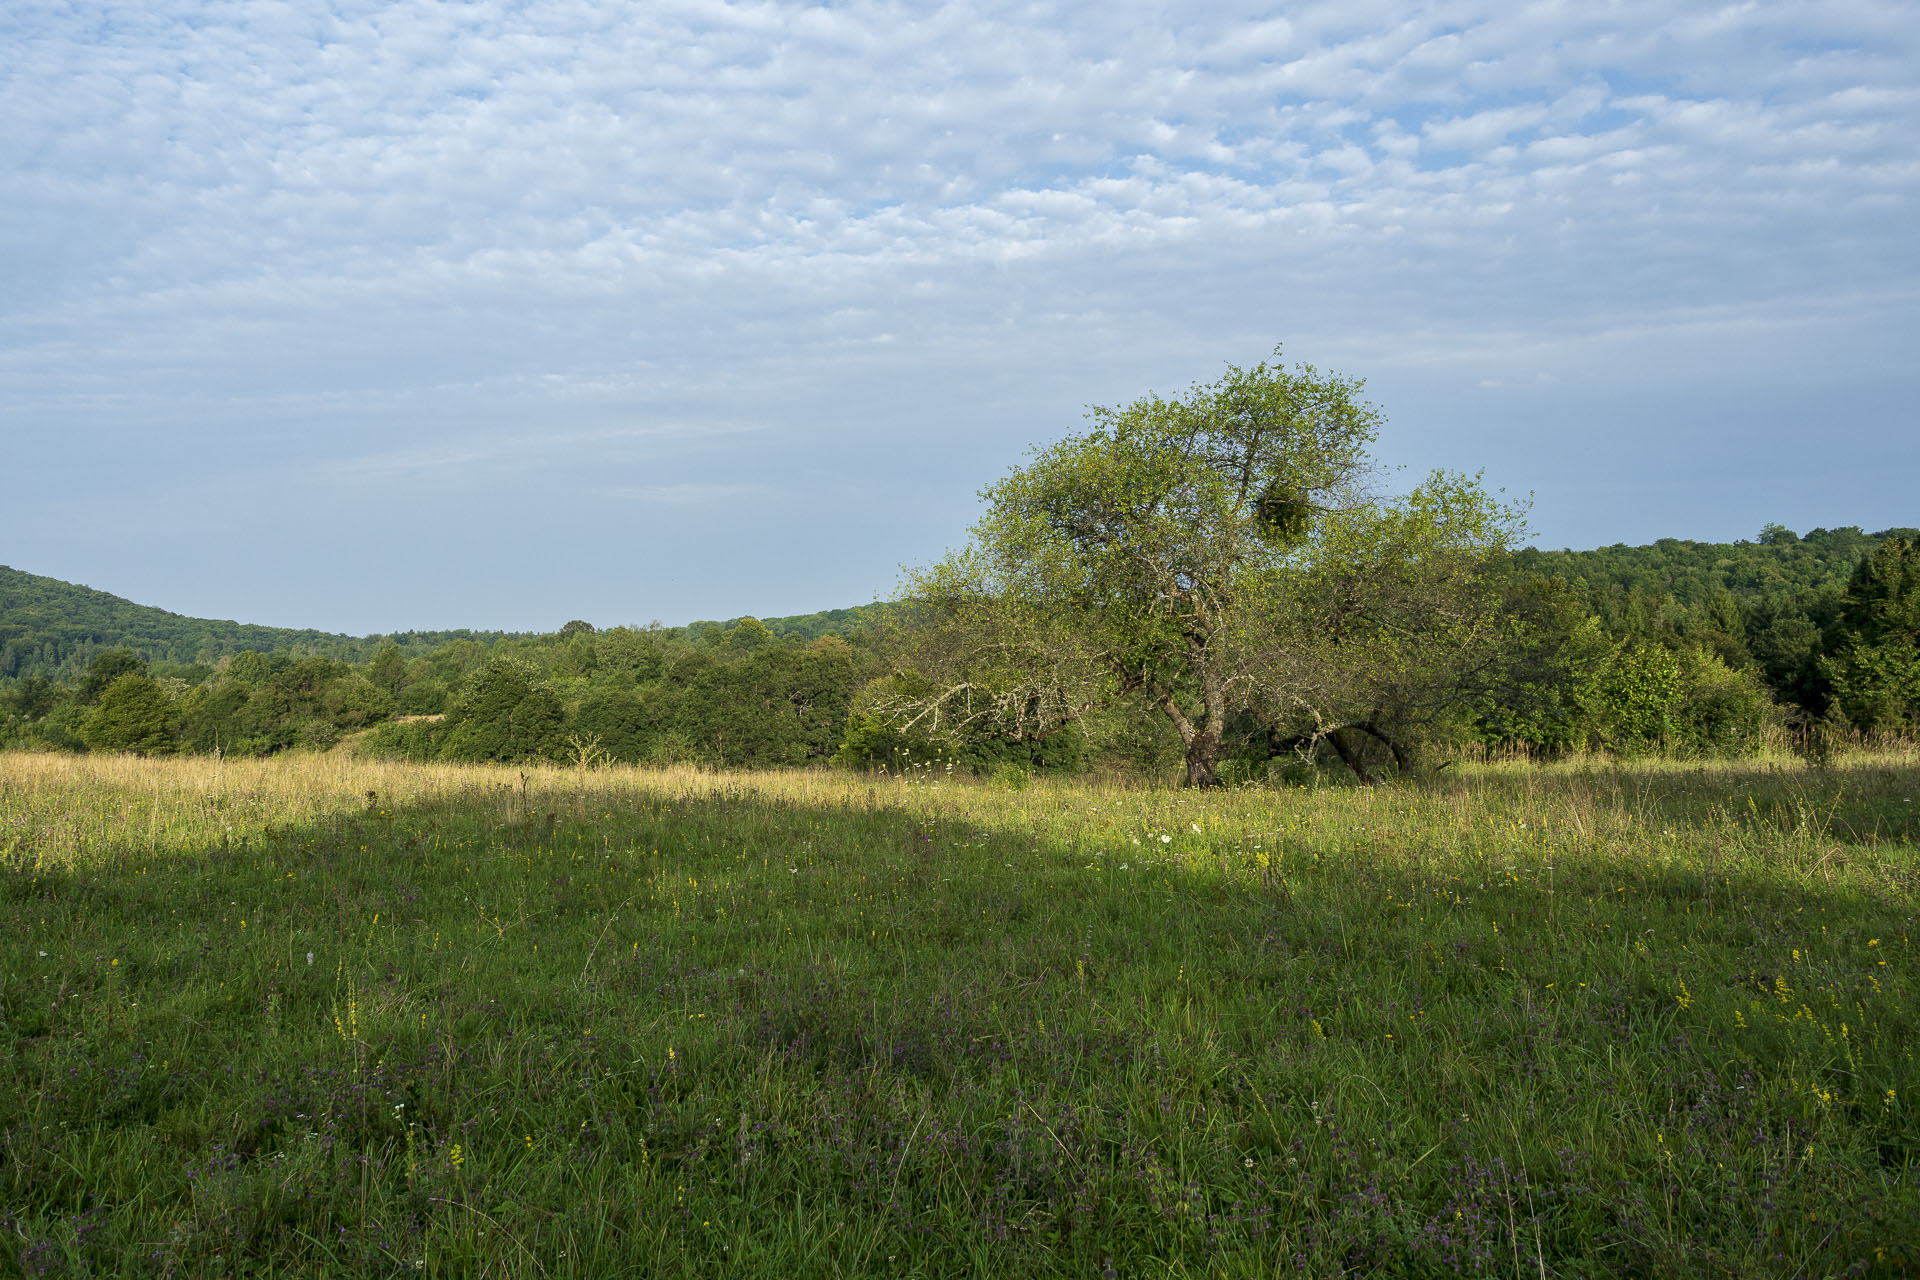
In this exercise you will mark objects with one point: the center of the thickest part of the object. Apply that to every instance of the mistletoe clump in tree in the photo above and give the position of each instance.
(1215, 553)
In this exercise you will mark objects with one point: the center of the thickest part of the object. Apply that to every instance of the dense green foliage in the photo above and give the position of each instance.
(805, 626)
(55, 629)
(1872, 658)
(1214, 557)
(325, 1019)
(1708, 648)
(740, 693)
(1697, 649)
(1768, 606)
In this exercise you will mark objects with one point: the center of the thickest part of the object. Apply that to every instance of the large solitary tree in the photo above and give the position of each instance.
(1210, 553)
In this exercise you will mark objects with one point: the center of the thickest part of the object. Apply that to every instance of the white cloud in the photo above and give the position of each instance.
(396, 217)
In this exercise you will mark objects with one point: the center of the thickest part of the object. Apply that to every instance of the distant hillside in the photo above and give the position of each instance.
(1769, 606)
(1760, 603)
(53, 628)
(804, 626)
(1685, 586)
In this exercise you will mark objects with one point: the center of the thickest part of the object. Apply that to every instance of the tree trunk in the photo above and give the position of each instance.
(1203, 762)
(1203, 749)
(1349, 756)
(1202, 740)
(1400, 761)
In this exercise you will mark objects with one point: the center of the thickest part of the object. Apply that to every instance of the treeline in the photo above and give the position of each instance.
(739, 696)
(1770, 606)
(1706, 648)
(55, 629)
(1679, 647)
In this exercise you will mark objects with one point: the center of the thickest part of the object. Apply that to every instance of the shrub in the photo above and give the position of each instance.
(134, 715)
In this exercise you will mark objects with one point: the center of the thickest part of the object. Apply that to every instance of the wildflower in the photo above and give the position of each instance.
(457, 1156)
(1248, 1162)
(1166, 839)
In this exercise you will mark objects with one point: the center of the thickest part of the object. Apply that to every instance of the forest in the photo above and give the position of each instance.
(1680, 647)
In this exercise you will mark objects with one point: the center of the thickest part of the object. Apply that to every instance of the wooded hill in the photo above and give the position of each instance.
(1688, 647)
(1763, 605)
(54, 629)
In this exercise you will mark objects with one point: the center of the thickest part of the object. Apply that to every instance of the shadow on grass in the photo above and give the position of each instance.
(633, 1033)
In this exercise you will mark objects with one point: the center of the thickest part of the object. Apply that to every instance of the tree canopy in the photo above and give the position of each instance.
(1201, 554)
(1873, 652)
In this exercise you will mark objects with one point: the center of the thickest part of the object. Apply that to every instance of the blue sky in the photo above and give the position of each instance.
(377, 316)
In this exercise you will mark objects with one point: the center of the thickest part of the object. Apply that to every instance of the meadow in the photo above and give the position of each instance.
(318, 1015)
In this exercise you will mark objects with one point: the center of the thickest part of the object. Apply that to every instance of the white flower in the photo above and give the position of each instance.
(1195, 826)
(1166, 839)
(309, 957)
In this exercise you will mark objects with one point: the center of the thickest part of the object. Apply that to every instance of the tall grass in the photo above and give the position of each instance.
(319, 1015)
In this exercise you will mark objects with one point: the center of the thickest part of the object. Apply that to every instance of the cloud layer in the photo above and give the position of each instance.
(773, 260)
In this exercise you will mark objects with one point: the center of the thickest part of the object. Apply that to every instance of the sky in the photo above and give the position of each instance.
(386, 316)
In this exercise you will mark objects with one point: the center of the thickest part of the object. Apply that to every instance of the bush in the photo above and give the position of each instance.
(412, 740)
(134, 715)
(503, 715)
(1722, 712)
(1682, 701)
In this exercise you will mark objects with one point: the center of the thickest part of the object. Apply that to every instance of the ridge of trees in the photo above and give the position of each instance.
(1677, 646)
(53, 629)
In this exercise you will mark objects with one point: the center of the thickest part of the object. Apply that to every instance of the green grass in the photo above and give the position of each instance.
(317, 1016)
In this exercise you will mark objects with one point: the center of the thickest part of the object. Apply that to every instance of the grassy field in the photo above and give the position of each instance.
(321, 1016)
